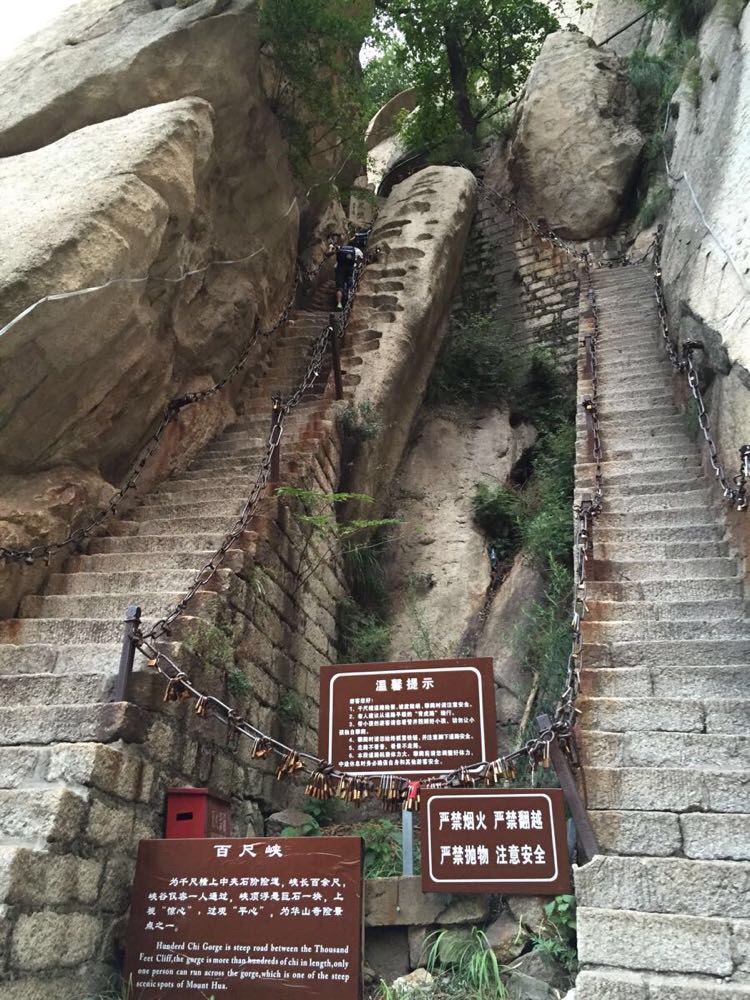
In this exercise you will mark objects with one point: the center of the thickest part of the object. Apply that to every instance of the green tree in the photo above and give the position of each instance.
(466, 57)
(387, 74)
(316, 83)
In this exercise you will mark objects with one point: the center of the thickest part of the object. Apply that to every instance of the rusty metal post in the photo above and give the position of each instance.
(127, 656)
(588, 408)
(586, 837)
(276, 456)
(336, 357)
(588, 368)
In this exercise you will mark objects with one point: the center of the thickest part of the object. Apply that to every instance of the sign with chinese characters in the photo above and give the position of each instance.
(413, 719)
(231, 919)
(484, 840)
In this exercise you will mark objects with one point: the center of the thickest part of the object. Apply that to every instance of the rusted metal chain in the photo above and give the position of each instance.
(734, 490)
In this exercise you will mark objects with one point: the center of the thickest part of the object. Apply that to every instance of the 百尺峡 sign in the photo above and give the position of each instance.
(413, 719)
(237, 918)
(487, 840)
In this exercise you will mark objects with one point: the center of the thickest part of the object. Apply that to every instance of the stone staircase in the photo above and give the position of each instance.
(81, 776)
(663, 915)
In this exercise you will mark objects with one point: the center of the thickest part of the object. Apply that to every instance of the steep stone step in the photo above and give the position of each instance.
(691, 652)
(134, 562)
(57, 631)
(55, 689)
(37, 658)
(665, 590)
(665, 749)
(666, 682)
(73, 723)
(706, 836)
(653, 569)
(666, 516)
(611, 984)
(635, 631)
(82, 606)
(668, 790)
(704, 531)
(144, 543)
(629, 549)
(666, 885)
(149, 581)
(224, 507)
(676, 611)
(690, 500)
(678, 715)
(666, 485)
(655, 942)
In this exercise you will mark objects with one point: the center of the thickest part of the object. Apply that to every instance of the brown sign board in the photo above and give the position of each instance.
(490, 840)
(413, 719)
(230, 919)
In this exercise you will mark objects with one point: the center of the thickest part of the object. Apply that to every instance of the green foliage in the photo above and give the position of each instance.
(480, 362)
(497, 511)
(238, 683)
(383, 855)
(364, 636)
(213, 646)
(654, 205)
(386, 74)
(474, 969)
(464, 56)
(291, 707)
(319, 813)
(119, 991)
(359, 421)
(546, 531)
(317, 90)
(557, 936)
(477, 362)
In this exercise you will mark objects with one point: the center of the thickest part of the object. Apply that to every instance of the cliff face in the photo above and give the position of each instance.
(707, 251)
(136, 142)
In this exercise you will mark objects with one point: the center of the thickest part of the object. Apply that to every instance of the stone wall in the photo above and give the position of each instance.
(530, 285)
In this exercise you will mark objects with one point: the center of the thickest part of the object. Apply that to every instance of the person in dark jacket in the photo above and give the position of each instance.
(348, 259)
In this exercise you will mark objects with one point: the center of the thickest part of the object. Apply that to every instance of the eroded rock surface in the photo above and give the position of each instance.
(403, 305)
(709, 296)
(439, 561)
(577, 146)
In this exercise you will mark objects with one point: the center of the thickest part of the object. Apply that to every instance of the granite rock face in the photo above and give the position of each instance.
(577, 145)
(707, 283)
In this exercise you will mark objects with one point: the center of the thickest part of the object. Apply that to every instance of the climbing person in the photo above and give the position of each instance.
(348, 259)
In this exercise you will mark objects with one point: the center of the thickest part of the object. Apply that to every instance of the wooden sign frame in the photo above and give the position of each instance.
(416, 707)
(490, 840)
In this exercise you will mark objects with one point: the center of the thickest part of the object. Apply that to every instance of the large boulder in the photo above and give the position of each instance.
(577, 145)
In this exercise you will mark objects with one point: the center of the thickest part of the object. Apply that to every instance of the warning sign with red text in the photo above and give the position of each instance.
(413, 719)
(232, 919)
(484, 840)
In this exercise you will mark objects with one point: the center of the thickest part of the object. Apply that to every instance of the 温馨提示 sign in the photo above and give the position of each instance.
(412, 719)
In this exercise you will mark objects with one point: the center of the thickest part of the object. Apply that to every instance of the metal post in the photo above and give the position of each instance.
(127, 656)
(588, 408)
(407, 841)
(588, 368)
(336, 358)
(586, 836)
(276, 456)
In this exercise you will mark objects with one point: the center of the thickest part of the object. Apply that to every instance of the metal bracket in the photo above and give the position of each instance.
(127, 656)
